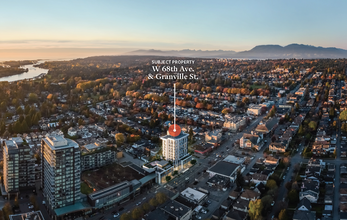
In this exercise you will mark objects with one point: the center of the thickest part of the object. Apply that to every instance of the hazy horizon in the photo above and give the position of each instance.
(114, 27)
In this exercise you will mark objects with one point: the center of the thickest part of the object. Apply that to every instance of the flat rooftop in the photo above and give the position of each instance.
(175, 209)
(193, 194)
(181, 135)
(37, 215)
(224, 168)
(58, 142)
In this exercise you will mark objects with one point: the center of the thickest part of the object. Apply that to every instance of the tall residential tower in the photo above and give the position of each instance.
(18, 167)
(175, 148)
(61, 171)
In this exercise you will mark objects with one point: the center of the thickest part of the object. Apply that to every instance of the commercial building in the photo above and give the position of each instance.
(118, 193)
(194, 196)
(254, 110)
(18, 167)
(175, 148)
(61, 172)
(170, 210)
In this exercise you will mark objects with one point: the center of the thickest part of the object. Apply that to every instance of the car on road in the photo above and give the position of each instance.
(198, 217)
(284, 177)
(116, 215)
(144, 198)
(139, 203)
(273, 203)
(31, 207)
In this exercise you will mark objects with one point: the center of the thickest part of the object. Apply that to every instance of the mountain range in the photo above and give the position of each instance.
(298, 51)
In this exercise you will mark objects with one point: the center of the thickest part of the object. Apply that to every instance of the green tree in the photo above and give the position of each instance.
(301, 130)
(193, 162)
(255, 208)
(168, 178)
(343, 115)
(271, 184)
(266, 201)
(312, 125)
(32, 97)
(293, 196)
(239, 179)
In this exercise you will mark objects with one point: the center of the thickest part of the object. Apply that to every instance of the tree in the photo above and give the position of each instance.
(266, 200)
(191, 134)
(168, 178)
(271, 184)
(120, 138)
(137, 213)
(153, 202)
(255, 208)
(225, 111)
(161, 197)
(283, 215)
(301, 130)
(32, 97)
(239, 179)
(125, 216)
(312, 125)
(343, 115)
(16, 202)
(293, 196)
(146, 207)
(7, 210)
(193, 162)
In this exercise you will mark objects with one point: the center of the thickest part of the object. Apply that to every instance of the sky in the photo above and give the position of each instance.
(120, 26)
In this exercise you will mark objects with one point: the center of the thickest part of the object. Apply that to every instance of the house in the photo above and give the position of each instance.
(214, 136)
(304, 205)
(249, 195)
(277, 147)
(310, 190)
(233, 195)
(250, 141)
(304, 215)
(235, 215)
(72, 132)
(267, 126)
(234, 123)
(271, 160)
(259, 178)
(241, 205)
(254, 110)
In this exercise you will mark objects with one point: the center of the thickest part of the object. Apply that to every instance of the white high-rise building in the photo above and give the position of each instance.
(61, 171)
(175, 148)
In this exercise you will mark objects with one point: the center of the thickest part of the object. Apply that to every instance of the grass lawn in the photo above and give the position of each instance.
(85, 189)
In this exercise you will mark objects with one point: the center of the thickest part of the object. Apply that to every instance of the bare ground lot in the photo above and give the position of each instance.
(109, 175)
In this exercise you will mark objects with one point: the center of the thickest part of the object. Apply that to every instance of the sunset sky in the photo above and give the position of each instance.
(207, 25)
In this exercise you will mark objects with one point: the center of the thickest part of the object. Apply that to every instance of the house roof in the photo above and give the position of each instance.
(304, 215)
(304, 202)
(250, 194)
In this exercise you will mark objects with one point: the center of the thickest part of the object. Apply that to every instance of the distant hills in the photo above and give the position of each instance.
(298, 51)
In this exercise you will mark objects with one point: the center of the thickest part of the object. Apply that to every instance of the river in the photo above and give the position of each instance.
(32, 72)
